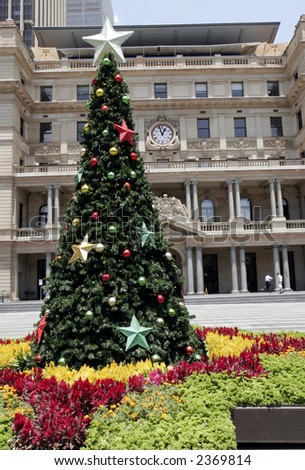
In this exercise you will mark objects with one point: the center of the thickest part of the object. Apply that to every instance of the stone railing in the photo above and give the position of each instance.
(201, 228)
(182, 166)
(166, 63)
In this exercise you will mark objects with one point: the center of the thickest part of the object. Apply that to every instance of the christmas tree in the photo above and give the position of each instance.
(114, 290)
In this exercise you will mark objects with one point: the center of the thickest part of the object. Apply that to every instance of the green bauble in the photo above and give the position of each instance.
(112, 229)
(142, 280)
(133, 175)
(62, 361)
(106, 61)
(155, 358)
(171, 312)
(110, 175)
(160, 321)
(89, 315)
(125, 99)
(105, 133)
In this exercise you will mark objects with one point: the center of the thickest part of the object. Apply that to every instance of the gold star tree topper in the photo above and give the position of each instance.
(108, 40)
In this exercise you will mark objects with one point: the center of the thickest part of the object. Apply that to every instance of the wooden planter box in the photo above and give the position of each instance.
(276, 425)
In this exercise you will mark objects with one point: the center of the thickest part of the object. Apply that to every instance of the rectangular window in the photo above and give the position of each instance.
(276, 127)
(80, 127)
(82, 92)
(46, 93)
(237, 88)
(45, 132)
(203, 128)
(273, 88)
(240, 129)
(201, 90)
(22, 127)
(300, 120)
(160, 90)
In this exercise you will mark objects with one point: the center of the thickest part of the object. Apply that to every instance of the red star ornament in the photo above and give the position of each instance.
(125, 133)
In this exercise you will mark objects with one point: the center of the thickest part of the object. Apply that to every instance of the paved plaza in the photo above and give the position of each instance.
(261, 312)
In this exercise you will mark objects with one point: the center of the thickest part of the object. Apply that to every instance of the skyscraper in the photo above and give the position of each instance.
(27, 13)
(88, 12)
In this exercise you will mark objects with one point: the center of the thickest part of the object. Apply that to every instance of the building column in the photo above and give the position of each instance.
(190, 270)
(188, 201)
(237, 199)
(50, 206)
(231, 200)
(243, 270)
(199, 271)
(276, 265)
(48, 262)
(285, 263)
(56, 204)
(9, 10)
(195, 201)
(280, 212)
(272, 198)
(234, 270)
(14, 294)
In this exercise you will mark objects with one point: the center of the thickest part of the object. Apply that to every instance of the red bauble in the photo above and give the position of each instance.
(105, 277)
(189, 349)
(160, 299)
(38, 358)
(126, 253)
(127, 185)
(118, 78)
(94, 216)
(104, 108)
(94, 81)
(134, 156)
(94, 161)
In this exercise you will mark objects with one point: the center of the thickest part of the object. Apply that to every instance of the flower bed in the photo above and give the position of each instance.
(148, 406)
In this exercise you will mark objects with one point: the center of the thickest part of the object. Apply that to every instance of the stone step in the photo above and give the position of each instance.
(247, 298)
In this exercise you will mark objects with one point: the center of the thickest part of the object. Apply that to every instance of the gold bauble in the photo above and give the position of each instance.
(75, 222)
(84, 189)
(86, 128)
(113, 151)
(99, 92)
(83, 151)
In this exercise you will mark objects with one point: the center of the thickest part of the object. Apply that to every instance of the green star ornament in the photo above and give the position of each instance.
(146, 235)
(135, 334)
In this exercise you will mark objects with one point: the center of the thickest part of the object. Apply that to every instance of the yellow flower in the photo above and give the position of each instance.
(163, 416)
(134, 415)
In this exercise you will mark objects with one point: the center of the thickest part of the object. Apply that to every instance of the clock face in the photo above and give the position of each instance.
(162, 134)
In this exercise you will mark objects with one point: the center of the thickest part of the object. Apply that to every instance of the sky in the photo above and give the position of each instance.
(137, 12)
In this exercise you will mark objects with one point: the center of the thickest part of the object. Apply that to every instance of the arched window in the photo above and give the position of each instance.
(207, 210)
(285, 208)
(43, 215)
(245, 208)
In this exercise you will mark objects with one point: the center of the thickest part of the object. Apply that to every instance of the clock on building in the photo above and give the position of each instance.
(162, 133)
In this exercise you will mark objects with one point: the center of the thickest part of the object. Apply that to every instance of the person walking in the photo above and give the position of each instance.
(268, 280)
(280, 282)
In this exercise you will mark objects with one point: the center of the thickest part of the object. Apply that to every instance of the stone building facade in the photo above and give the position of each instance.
(221, 131)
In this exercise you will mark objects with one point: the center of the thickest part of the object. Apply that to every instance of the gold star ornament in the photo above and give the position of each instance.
(81, 251)
(108, 40)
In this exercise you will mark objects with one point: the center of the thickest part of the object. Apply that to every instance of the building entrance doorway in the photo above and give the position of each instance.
(251, 272)
(210, 269)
